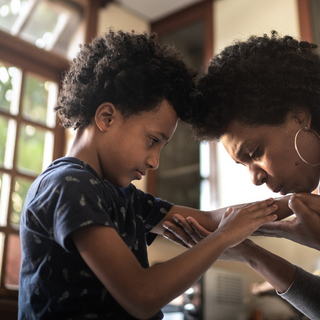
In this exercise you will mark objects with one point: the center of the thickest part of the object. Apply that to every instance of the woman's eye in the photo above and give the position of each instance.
(255, 154)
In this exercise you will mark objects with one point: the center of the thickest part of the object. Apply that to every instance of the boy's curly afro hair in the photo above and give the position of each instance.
(258, 82)
(130, 70)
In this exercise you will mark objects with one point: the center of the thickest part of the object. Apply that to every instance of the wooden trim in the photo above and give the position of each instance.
(305, 20)
(91, 20)
(182, 18)
(18, 51)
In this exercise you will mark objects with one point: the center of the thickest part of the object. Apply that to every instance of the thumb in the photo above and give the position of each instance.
(227, 212)
(298, 207)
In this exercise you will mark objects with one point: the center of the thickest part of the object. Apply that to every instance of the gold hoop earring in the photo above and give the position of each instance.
(296, 147)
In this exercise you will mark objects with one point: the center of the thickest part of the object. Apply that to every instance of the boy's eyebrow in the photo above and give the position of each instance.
(164, 137)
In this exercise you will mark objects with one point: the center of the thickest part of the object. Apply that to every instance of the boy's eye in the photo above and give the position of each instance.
(153, 141)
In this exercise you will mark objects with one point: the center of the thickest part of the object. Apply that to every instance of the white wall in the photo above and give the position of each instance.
(120, 19)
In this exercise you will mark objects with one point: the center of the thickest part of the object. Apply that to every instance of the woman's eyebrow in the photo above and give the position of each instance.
(239, 152)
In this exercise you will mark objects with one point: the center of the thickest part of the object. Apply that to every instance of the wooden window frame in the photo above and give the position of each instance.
(197, 12)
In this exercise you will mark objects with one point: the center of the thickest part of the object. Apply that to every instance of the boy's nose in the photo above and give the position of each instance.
(153, 161)
(258, 176)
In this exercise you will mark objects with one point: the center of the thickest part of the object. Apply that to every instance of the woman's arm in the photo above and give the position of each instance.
(293, 284)
(143, 292)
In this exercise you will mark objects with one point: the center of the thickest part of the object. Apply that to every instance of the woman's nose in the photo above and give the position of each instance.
(258, 176)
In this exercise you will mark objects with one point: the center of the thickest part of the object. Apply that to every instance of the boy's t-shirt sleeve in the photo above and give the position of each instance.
(154, 210)
(72, 201)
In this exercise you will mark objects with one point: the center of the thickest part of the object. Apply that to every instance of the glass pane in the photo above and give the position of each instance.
(9, 87)
(39, 97)
(10, 11)
(13, 258)
(31, 144)
(5, 181)
(21, 187)
(53, 20)
(1, 249)
(7, 141)
(3, 138)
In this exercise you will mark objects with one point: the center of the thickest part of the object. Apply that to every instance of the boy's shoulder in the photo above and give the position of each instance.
(66, 171)
(68, 167)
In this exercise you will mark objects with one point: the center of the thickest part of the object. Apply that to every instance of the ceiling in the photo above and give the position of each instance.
(153, 10)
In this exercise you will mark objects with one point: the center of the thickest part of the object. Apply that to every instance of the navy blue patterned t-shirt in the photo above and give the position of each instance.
(55, 282)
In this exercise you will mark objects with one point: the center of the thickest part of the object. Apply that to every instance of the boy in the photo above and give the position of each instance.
(85, 227)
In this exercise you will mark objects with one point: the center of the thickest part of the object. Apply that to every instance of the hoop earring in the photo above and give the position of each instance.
(296, 147)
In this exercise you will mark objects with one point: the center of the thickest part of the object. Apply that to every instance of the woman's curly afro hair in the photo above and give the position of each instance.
(130, 70)
(258, 82)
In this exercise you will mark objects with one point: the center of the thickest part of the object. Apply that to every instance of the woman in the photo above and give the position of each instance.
(261, 98)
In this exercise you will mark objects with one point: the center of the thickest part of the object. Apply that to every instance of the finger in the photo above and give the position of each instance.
(198, 229)
(310, 199)
(261, 204)
(262, 211)
(228, 212)
(170, 236)
(299, 208)
(185, 225)
(179, 233)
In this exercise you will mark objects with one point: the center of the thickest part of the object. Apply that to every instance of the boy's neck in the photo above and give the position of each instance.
(83, 148)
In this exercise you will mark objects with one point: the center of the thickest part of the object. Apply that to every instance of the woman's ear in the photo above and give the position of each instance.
(302, 116)
(104, 116)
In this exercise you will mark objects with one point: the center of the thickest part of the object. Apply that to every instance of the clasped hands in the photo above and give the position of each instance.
(303, 228)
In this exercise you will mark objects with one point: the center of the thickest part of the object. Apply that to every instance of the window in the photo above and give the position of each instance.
(27, 138)
(59, 21)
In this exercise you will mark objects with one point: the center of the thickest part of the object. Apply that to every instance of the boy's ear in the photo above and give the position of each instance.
(104, 115)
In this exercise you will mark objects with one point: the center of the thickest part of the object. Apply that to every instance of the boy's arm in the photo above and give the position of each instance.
(277, 271)
(142, 292)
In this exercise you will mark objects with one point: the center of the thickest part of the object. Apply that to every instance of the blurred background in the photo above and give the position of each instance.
(39, 38)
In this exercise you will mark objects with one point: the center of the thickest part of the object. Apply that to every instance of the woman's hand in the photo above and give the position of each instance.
(304, 228)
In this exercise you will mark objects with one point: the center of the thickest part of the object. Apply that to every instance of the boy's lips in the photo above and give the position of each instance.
(140, 174)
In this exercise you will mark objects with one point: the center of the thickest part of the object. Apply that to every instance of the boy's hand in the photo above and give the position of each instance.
(237, 224)
(187, 232)
(304, 228)
(194, 232)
